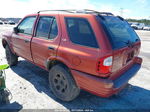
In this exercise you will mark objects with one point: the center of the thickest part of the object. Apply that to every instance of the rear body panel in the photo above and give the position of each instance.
(106, 87)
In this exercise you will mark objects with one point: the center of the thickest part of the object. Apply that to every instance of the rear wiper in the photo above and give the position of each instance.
(128, 43)
(136, 40)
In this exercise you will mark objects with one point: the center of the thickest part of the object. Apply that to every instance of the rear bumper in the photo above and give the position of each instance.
(105, 87)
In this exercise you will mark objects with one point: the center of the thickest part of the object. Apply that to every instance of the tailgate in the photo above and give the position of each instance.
(124, 59)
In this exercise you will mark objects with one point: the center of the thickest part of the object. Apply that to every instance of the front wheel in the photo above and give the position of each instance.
(12, 59)
(62, 83)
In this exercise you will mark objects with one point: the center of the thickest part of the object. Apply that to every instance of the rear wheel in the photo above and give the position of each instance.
(62, 83)
(12, 59)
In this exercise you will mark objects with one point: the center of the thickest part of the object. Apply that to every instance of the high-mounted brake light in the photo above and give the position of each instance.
(104, 66)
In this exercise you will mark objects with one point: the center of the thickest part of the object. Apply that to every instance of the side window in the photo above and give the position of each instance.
(43, 27)
(54, 30)
(80, 32)
(26, 25)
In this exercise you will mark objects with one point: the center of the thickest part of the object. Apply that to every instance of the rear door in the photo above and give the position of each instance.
(21, 40)
(46, 39)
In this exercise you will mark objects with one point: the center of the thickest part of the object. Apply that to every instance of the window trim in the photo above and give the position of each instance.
(65, 19)
(32, 26)
(51, 29)
(53, 17)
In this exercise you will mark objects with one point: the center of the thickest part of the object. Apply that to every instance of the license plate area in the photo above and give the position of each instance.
(130, 56)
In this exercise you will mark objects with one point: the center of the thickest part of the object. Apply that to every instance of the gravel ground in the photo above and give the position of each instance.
(29, 87)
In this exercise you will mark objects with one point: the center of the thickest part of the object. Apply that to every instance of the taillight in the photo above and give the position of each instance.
(104, 66)
(137, 51)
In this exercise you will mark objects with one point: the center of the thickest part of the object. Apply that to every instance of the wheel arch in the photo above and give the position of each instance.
(4, 43)
(57, 60)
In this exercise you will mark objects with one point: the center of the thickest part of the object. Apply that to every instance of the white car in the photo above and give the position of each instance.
(138, 26)
(146, 27)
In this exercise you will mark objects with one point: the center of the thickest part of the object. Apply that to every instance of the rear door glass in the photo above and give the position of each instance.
(43, 27)
(47, 27)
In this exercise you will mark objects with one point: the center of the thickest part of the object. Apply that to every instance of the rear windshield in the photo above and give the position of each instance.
(119, 31)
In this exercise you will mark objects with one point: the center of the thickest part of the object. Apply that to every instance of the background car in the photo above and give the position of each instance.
(1, 23)
(5, 22)
(138, 26)
(146, 27)
(11, 22)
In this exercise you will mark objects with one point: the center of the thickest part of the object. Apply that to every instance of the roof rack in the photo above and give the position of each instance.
(86, 11)
(55, 10)
(101, 13)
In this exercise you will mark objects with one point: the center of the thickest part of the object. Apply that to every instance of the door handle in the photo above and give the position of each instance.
(26, 41)
(51, 48)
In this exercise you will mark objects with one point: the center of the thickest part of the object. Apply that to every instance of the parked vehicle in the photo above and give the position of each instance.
(1, 23)
(146, 27)
(130, 23)
(11, 22)
(138, 26)
(5, 22)
(90, 50)
(141, 26)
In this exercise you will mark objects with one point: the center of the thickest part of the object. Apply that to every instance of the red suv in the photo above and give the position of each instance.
(86, 49)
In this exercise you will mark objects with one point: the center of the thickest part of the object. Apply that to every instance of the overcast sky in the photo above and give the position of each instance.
(130, 8)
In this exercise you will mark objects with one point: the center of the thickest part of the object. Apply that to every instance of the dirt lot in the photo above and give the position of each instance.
(29, 87)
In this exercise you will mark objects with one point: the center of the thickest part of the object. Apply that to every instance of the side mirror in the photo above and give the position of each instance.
(16, 30)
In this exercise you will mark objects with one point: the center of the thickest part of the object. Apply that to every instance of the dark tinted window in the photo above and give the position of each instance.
(26, 25)
(43, 27)
(119, 31)
(80, 32)
(54, 29)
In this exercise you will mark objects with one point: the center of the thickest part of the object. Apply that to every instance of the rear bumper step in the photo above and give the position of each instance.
(124, 78)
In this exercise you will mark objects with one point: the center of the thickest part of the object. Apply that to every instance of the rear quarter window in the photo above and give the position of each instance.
(80, 32)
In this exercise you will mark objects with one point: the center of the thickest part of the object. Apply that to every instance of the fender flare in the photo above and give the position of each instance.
(58, 59)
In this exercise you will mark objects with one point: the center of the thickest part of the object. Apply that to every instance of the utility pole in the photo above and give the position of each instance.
(121, 12)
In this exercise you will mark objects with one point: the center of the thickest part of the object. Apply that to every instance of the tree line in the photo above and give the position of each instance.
(145, 21)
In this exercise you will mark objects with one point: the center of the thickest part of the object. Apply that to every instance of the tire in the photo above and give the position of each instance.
(12, 59)
(62, 83)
